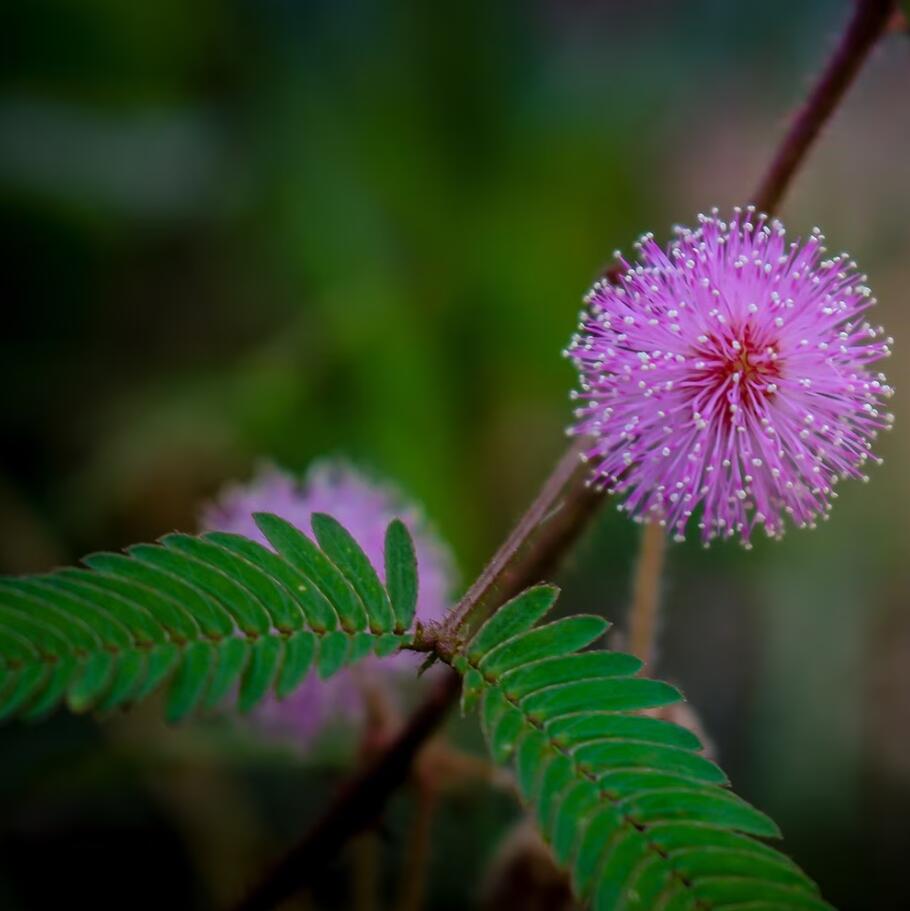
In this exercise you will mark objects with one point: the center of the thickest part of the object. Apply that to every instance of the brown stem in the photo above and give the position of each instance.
(646, 591)
(869, 21)
(358, 804)
(545, 532)
(417, 858)
(549, 525)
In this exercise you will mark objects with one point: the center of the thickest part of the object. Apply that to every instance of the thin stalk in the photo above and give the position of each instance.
(869, 21)
(417, 858)
(552, 522)
(643, 616)
(549, 527)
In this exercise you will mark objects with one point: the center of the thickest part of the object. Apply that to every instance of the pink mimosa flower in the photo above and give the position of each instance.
(729, 378)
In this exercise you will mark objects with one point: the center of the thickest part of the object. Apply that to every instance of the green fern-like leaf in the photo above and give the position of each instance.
(208, 616)
(627, 802)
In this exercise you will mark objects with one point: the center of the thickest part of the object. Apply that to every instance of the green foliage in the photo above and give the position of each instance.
(627, 801)
(401, 574)
(208, 616)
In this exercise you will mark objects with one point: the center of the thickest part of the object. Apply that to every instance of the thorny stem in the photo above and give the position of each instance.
(545, 532)
(643, 615)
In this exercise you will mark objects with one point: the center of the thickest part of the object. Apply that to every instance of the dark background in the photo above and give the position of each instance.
(236, 229)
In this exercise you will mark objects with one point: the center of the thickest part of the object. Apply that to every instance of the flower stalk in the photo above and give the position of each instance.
(870, 19)
(645, 611)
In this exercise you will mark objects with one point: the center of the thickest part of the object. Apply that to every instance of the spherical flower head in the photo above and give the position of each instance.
(729, 378)
(365, 508)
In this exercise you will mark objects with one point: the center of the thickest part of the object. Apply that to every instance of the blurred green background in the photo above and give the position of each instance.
(287, 228)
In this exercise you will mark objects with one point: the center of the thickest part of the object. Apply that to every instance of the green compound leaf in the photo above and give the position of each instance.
(210, 618)
(626, 801)
(601, 725)
(552, 640)
(299, 651)
(128, 673)
(514, 617)
(215, 619)
(230, 661)
(190, 679)
(243, 611)
(54, 689)
(622, 695)
(401, 574)
(529, 678)
(300, 551)
(160, 662)
(262, 600)
(333, 651)
(312, 609)
(354, 564)
(19, 686)
(94, 675)
(265, 659)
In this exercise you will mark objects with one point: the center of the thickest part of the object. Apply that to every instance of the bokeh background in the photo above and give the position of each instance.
(287, 228)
